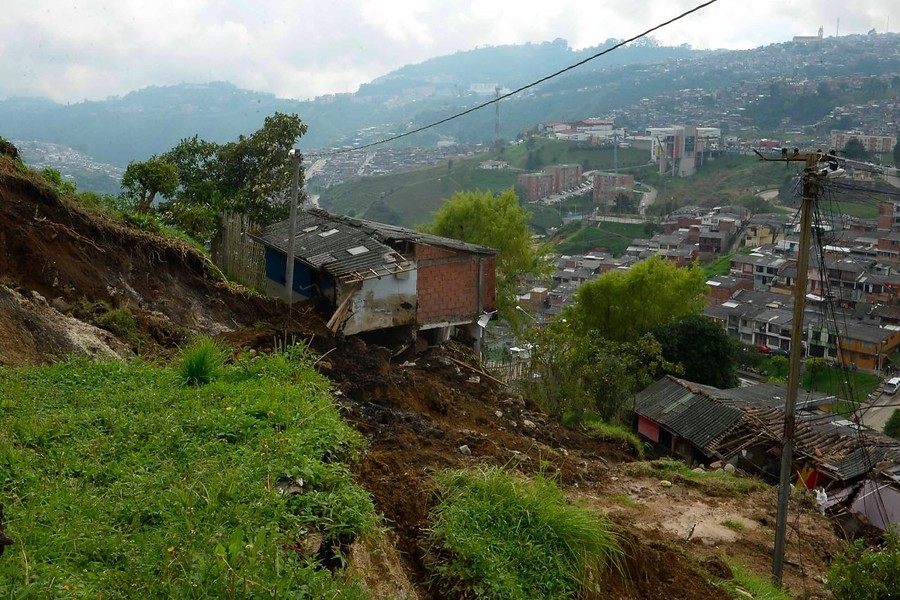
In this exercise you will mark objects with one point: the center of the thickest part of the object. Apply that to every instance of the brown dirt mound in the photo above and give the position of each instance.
(63, 267)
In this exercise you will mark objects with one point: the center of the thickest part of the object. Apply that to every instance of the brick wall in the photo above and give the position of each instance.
(447, 285)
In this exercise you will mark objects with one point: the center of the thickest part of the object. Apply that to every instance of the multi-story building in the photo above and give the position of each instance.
(876, 144)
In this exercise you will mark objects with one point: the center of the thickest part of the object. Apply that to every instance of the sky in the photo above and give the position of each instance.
(75, 50)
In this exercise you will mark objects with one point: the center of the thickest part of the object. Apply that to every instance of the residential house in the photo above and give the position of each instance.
(377, 276)
(743, 426)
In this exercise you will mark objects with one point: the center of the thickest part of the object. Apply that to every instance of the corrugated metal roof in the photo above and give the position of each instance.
(352, 249)
(692, 416)
(842, 448)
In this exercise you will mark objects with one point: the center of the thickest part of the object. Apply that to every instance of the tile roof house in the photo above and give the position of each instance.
(377, 276)
(744, 426)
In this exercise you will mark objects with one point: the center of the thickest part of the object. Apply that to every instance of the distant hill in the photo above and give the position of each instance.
(152, 120)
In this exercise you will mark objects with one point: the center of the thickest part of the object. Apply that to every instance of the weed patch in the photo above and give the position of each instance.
(498, 535)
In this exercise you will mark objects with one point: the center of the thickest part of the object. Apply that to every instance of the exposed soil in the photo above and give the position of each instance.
(62, 270)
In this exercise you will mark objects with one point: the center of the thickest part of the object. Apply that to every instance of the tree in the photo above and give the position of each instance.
(702, 348)
(892, 427)
(142, 182)
(581, 371)
(623, 305)
(499, 222)
(855, 150)
(251, 176)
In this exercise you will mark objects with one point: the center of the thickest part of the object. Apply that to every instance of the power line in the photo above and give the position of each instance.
(521, 89)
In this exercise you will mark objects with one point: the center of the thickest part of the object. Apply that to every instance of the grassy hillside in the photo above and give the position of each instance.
(120, 482)
(410, 198)
(610, 237)
(726, 180)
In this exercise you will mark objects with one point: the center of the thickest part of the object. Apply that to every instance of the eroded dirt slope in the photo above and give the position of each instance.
(58, 261)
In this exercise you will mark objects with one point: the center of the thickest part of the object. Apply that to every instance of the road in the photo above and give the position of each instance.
(877, 414)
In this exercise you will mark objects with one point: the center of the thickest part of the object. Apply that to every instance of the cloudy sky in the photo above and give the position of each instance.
(72, 50)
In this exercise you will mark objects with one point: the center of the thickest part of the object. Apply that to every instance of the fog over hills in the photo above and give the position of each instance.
(152, 120)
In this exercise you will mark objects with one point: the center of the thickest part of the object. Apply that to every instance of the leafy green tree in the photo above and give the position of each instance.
(251, 176)
(255, 172)
(55, 178)
(581, 371)
(624, 305)
(702, 348)
(855, 150)
(499, 222)
(892, 427)
(143, 181)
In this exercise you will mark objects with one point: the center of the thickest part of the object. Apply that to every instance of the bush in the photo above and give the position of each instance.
(497, 535)
(867, 574)
(201, 362)
(892, 427)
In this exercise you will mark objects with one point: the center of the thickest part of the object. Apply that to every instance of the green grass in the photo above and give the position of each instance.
(119, 483)
(733, 524)
(613, 433)
(411, 198)
(712, 483)
(201, 362)
(625, 501)
(842, 383)
(759, 587)
(613, 237)
(720, 266)
(497, 535)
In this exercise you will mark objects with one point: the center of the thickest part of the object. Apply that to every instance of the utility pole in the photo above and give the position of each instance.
(497, 89)
(810, 182)
(297, 159)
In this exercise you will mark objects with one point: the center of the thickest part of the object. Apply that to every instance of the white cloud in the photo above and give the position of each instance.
(75, 49)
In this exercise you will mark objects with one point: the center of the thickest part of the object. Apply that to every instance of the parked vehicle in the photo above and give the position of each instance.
(892, 385)
(763, 349)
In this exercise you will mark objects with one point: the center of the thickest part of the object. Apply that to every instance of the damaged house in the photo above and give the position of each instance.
(858, 467)
(376, 276)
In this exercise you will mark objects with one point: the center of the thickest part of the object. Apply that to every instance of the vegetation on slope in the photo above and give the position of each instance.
(497, 535)
(119, 482)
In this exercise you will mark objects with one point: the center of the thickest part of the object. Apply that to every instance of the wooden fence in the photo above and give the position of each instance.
(509, 370)
(239, 257)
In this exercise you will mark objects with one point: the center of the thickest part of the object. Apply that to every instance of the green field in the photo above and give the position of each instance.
(412, 197)
(611, 237)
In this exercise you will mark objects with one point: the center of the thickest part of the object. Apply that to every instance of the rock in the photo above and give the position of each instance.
(716, 465)
(498, 414)
(698, 470)
(465, 450)
(528, 424)
(730, 468)
(665, 483)
(61, 305)
(474, 379)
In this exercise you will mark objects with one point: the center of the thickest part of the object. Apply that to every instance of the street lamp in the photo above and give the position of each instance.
(527, 314)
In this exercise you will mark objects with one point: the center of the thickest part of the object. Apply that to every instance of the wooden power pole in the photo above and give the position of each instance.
(811, 176)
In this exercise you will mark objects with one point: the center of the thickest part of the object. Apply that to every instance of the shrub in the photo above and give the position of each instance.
(498, 535)
(866, 574)
(201, 362)
(614, 433)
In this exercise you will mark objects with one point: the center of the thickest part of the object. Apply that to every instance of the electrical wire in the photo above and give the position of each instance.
(518, 90)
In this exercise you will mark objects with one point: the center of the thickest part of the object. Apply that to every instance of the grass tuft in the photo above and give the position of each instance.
(746, 582)
(200, 362)
(497, 535)
(614, 433)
